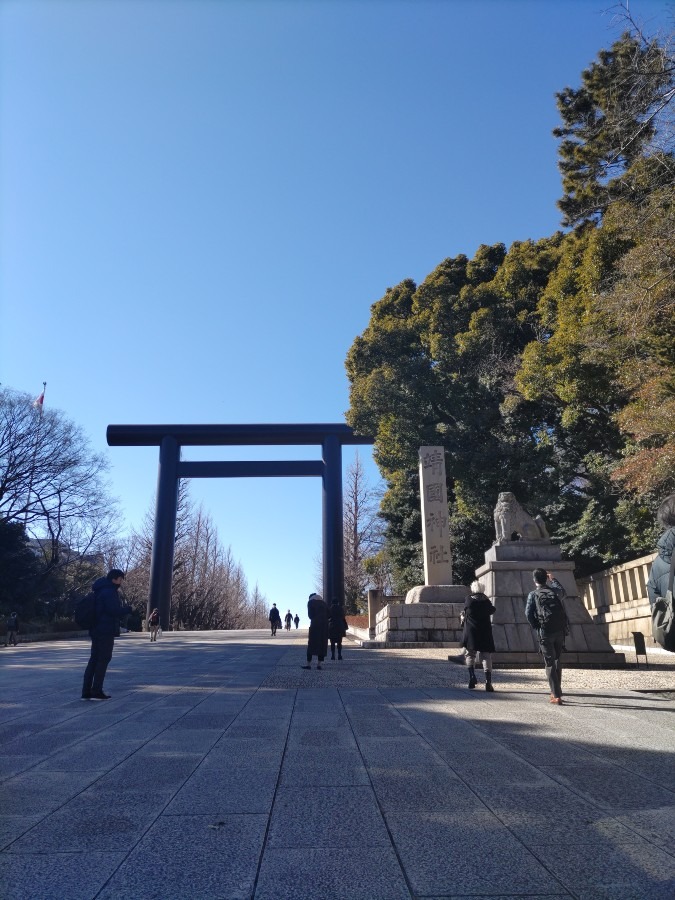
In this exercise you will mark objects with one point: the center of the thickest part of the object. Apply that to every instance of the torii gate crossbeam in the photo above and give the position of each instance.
(171, 438)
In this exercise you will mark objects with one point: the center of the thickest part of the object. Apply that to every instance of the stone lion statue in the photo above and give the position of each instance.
(512, 523)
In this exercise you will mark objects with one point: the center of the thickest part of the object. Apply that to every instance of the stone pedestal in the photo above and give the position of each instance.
(507, 578)
(404, 626)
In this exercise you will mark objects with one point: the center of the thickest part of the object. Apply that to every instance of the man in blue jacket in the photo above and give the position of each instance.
(109, 611)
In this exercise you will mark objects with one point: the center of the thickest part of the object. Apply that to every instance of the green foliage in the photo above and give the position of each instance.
(19, 571)
(547, 369)
(609, 125)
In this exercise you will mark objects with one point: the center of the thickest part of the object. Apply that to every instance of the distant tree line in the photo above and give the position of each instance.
(546, 369)
(60, 530)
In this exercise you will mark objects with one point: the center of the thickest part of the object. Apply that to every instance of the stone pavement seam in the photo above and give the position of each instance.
(274, 797)
(377, 800)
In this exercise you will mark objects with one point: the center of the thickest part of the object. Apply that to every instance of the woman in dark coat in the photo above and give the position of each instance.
(337, 628)
(477, 637)
(317, 642)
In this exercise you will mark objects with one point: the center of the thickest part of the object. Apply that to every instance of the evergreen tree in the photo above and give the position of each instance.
(609, 125)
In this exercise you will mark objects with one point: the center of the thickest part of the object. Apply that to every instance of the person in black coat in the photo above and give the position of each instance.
(337, 628)
(477, 637)
(317, 642)
(109, 611)
(275, 619)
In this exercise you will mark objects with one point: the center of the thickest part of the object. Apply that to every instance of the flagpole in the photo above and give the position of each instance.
(40, 402)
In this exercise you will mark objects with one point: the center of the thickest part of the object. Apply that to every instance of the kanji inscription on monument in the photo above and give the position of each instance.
(435, 535)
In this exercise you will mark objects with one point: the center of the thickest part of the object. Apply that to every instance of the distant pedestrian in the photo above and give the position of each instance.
(477, 637)
(337, 628)
(317, 640)
(153, 624)
(288, 618)
(545, 613)
(297, 621)
(109, 611)
(12, 629)
(275, 619)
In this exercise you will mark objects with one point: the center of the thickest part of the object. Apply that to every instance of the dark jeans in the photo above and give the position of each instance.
(333, 642)
(101, 654)
(551, 646)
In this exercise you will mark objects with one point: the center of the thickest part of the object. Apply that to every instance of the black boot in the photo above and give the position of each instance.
(488, 682)
(472, 678)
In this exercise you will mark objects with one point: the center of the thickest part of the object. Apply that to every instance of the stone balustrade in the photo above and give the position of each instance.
(617, 600)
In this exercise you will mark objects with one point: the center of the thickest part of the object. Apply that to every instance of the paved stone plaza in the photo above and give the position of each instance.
(221, 769)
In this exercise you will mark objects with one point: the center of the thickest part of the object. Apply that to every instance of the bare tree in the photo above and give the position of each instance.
(209, 589)
(257, 609)
(53, 486)
(363, 534)
(49, 477)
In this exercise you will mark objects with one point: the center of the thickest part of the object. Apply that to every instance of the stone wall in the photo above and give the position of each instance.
(617, 600)
(431, 624)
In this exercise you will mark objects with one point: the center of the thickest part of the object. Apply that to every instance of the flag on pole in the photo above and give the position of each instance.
(40, 401)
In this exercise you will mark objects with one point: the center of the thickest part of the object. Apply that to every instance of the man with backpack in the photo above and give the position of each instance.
(108, 612)
(545, 613)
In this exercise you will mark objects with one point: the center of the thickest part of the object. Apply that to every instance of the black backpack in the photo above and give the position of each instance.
(85, 611)
(550, 611)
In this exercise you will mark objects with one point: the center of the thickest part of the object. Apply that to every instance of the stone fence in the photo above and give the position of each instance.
(617, 600)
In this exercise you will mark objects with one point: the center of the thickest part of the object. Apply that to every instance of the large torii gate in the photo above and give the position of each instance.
(170, 439)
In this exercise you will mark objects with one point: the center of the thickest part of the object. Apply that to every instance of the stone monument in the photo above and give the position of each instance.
(434, 618)
(522, 545)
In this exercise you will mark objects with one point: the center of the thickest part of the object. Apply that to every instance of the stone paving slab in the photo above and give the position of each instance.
(221, 769)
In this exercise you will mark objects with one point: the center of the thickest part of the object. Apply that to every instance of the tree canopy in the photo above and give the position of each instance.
(545, 369)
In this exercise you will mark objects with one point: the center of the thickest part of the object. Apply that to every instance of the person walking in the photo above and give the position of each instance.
(297, 621)
(153, 624)
(337, 628)
(477, 637)
(109, 611)
(12, 629)
(275, 619)
(546, 614)
(288, 619)
(317, 640)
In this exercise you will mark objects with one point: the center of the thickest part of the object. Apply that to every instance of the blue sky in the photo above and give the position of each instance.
(200, 201)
